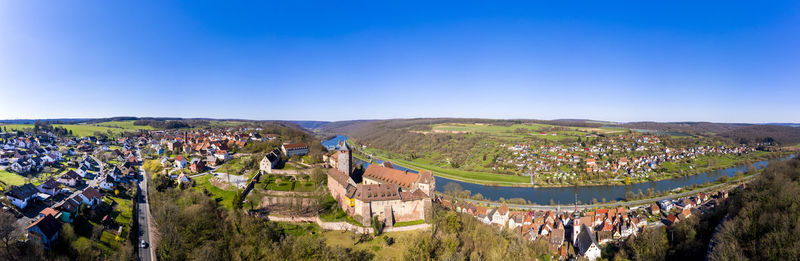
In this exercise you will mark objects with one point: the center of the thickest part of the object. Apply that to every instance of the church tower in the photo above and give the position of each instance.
(344, 162)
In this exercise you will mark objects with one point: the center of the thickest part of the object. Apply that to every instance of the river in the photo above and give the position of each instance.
(585, 194)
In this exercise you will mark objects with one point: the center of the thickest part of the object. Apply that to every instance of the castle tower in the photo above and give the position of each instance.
(344, 162)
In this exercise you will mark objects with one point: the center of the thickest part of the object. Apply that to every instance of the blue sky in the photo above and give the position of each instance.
(623, 61)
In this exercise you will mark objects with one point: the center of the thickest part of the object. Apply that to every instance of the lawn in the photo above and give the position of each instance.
(298, 229)
(11, 179)
(409, 223)
(402, 241)
(124, 210)
(224, 197)
(286, 184)
(233, 166)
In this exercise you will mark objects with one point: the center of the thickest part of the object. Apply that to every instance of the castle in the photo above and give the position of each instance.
(390, 194)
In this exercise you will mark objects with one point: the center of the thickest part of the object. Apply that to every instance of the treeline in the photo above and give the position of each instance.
(759, 222)
(764, 219)
(779, 135)
(684, 127)
(170, 124)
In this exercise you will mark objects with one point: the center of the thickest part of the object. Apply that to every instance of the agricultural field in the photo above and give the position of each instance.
(521, 131)
(81, 130)
(128, 125)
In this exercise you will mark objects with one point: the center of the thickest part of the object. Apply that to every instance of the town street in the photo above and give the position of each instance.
(143, 215)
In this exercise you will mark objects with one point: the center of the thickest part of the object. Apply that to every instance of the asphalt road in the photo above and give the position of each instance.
(144, 217)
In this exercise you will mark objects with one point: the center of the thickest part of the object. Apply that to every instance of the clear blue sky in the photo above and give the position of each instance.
(337, 60)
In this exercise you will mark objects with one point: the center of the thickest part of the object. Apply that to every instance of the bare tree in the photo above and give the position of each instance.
(8, 234)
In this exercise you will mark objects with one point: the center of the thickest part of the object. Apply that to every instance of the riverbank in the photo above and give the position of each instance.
(627, 203)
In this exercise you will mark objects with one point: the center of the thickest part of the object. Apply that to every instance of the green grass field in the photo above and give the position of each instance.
(128, 125)
(225, 197)
(124, 207)
(11, 178)
(81, 130)
(409, 223)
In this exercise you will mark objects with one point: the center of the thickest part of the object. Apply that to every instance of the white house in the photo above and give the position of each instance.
(70, 178)
(269, 162)
(587, 245)
(90, 196)
(106, 183)
(500, 216)
(82, 171)
(19, 196)
(49, 187)
(180, 162)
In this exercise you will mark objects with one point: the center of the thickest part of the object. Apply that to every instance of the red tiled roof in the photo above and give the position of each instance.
(49, 211)
(92, 193)
(389, 175)
(295, 146)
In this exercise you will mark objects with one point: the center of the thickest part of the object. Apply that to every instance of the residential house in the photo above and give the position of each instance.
(82, 171)
(106, 183)
(91, 196)
(269, 161)
(69, 208)
(165, 162)
(44, 230)
(21, 195)
(49, 211)
(180, 162)
(672, 219)
(654, 209)
(197, 165)
(500, 216)
(184, 179)
(70, 178)
(49, 187)
(222, 155)
(586, 244)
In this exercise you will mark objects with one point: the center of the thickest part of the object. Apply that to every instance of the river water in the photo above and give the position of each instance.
(567, 195)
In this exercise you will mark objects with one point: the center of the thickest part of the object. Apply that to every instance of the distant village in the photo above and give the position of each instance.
(626, 155)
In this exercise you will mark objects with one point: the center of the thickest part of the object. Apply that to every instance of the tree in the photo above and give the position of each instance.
(318, 176)
(377, 226)
(8, 234)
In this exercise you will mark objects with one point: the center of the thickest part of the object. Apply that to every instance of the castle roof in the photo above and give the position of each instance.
(383, 174)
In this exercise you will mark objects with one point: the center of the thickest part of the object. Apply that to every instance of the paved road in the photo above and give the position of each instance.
(144, 217)
(89, 184)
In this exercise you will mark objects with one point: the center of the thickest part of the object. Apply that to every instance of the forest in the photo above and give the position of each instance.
(758, 222)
